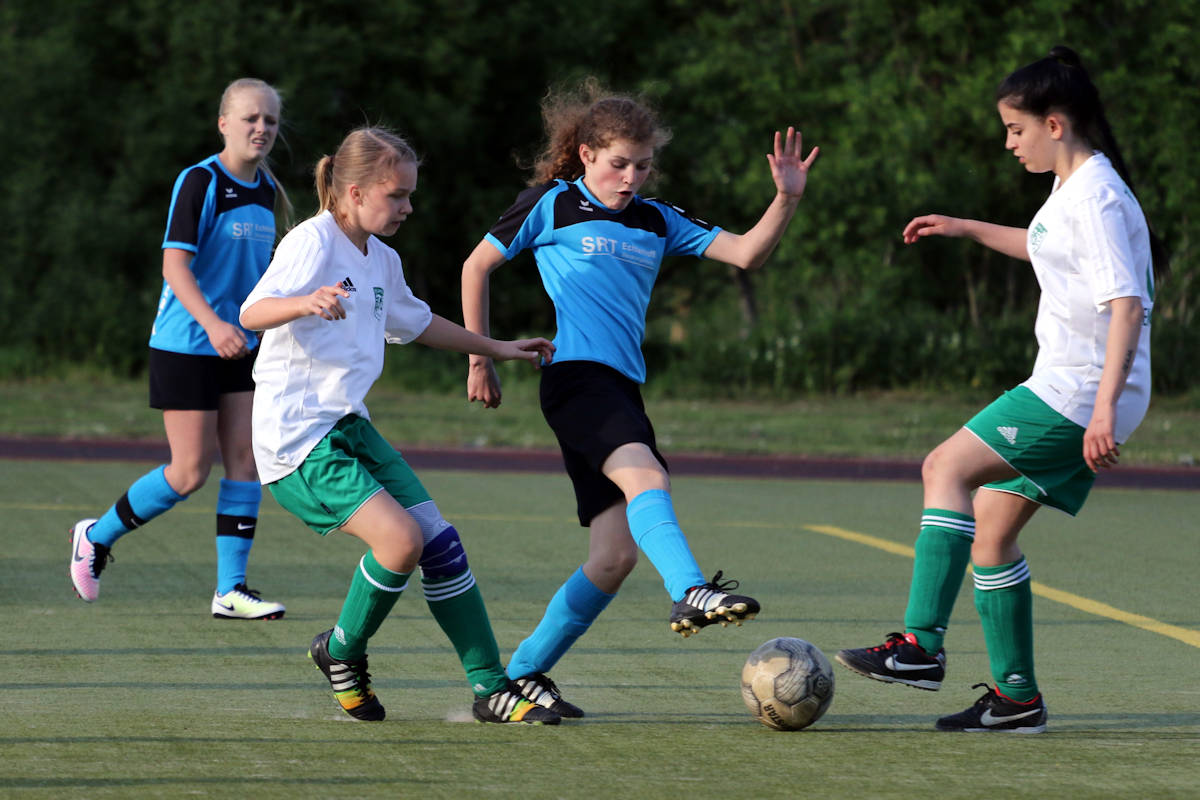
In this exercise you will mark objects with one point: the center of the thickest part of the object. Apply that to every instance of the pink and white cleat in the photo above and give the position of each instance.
(87, 561)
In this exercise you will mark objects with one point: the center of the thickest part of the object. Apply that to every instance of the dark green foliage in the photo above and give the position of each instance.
(105, 103)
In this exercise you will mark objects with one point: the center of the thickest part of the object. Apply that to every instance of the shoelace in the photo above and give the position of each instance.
(986, 699)
(101, 555)
(246, 590)
(727, 586)
(546, 683)
(894, 639)
(362, 678)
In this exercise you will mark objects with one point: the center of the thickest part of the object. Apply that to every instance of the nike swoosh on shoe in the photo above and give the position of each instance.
(988, 718)
(900, 666)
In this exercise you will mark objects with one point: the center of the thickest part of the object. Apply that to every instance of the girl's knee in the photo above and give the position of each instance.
(617, 563)
(187, 479)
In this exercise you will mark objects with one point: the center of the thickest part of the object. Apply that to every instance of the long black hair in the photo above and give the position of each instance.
(1059, 82)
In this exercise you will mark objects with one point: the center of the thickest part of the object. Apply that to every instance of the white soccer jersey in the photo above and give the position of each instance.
(312, 371)
(1089, 244)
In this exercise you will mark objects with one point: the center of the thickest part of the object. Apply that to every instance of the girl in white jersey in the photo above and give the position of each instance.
(331, 299)
(1042, 442)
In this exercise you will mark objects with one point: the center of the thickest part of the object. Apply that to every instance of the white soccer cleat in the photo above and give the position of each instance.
(87, 561)
(242, 602)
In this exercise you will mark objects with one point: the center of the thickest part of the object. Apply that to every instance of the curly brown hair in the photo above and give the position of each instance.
(590, 114)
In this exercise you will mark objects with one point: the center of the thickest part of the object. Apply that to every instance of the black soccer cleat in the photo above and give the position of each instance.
(711, 602)
(538, 687)
(350, 681)
(995, 712)
(508, 705)
(898, 660)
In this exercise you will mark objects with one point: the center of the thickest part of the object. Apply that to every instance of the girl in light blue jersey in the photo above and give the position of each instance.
(598, 245)
(220, 231)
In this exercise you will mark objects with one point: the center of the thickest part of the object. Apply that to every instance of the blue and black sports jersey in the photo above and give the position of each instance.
(597, 265)
(229, 227)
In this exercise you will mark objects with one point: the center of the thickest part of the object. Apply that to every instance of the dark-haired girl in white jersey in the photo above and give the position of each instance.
(1042, 442)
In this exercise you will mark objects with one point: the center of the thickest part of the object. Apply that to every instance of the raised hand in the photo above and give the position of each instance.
(788, 168)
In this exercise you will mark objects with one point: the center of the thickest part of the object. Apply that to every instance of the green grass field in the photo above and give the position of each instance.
(143, 694)
(898, 424)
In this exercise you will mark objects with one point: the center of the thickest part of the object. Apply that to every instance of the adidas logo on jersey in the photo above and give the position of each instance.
(1009, 433)
(348, 285)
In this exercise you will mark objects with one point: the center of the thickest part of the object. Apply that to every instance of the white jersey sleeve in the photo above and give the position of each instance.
(407, 316)
(1106, 256)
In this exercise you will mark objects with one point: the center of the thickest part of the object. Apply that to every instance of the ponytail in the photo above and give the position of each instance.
(366, 155)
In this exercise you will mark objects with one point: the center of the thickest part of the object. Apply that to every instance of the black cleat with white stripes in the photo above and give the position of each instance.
(711, 602)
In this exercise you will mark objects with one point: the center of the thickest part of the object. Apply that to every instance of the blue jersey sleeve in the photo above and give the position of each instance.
(686, 234)
(187, 207)
(529, 222)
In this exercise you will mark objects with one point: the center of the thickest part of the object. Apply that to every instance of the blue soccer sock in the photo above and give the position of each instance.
(149, 496)
(656, 531)
(570, 613)
(237, 518)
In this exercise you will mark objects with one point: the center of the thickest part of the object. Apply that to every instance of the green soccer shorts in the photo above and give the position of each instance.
(1041, 444)
(346, 469)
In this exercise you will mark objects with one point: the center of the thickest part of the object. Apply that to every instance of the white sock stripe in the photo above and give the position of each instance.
(1012, 577)
(960, 525)
(450, 588)
(362, 567)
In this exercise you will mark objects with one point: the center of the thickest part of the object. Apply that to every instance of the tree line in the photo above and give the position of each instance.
(104, 103)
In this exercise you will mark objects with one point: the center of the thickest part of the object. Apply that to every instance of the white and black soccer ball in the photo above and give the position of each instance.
(787, 684)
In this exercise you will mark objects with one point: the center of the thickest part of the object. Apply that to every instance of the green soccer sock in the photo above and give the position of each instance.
(1004, 599)
(373, 592)
(457, 605)
(943, 551)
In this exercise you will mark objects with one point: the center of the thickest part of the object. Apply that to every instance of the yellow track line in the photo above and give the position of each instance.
(1185, 635)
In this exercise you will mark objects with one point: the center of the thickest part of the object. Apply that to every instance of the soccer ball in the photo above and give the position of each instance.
(787, 684)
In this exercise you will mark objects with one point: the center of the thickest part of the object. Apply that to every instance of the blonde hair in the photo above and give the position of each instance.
(590, 114)
(283, 204)
(367, 155)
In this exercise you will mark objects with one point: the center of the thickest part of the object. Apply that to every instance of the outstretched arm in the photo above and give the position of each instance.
(1001, 238)
(790, 172)
(446, 335)
(483, 383)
